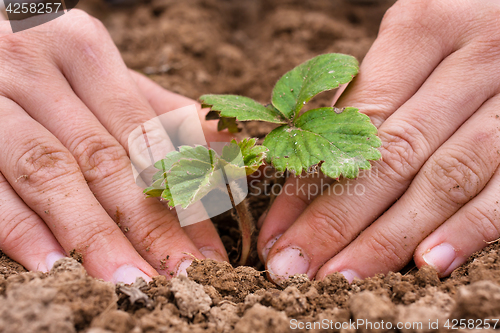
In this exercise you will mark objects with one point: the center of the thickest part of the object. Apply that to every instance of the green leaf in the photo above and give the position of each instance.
(185, 164)
(229, 123)
(339, 141)
(183, 152)
(189, 180)
(291, 92)
(226, 122)
(189, 174)
(156, 189)
(342, 143)
(241, 108)
(252, 156)
(322, 73)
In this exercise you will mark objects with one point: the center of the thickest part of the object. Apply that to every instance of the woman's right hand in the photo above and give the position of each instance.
(68, 104)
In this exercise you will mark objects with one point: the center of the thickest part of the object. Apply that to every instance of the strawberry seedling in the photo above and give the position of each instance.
(339, 142)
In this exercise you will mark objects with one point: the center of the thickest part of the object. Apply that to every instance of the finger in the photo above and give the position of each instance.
(206, 238)
(24, 237)
(104, 84)
(411, 40)
(101, 80)
(409, 137)
(379, 89)
(50, 182)
(472, 228)
(153, 230)
(295, 195)
(162, 101)
(203, 234)
(455, 174)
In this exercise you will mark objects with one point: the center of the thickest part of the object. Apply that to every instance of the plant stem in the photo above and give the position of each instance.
(245, 222)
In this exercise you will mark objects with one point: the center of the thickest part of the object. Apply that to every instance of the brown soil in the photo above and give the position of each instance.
(228, 46)
(220, 298)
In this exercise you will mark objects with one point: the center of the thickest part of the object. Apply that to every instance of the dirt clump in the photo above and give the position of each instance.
(31, 308)
(219, 298)
(114, 321)
(477, 301)
(8, 267)
(65, 300)
(190, 297)
(261, 319)
(224, 317)
(234, 284)
(427, 276)
(76, 255)
(373, 308)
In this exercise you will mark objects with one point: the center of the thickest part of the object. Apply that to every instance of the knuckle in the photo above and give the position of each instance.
(485, 48)
(328, 223)
(93, 238)
(406, 16)
(132, 115)
(456, 177)
(386, 249)
(80, 19)
(18, 231)
(429, 19)
(133, 110)
(81, 28)
(402, 144)
(157, 235)
(18, 54)
(487, 29)
(45, 164)
(13, 46)
(100, 157)
(483, 222)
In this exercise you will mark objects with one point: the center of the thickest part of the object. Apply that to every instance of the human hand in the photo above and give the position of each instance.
(68, 104)
(430, 83)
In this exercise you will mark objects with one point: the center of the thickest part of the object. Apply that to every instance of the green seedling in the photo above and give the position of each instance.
(339, 142)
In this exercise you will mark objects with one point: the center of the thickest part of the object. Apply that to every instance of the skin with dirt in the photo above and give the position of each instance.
(195, 47)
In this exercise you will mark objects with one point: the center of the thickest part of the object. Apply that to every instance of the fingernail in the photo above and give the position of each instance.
(210, 253)
(442, 257)
(127, 274)
(286, 263)
(181, 269)
(350, 275)
(269, 245)
(51, 259)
